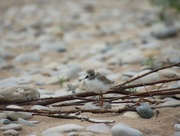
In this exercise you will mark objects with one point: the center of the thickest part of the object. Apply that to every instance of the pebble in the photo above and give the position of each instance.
(49, 47)
(73, 134)
(169, 103)
(177, 127)
(176, 134)
(87, 64)
(167, 32)
(145, 111)
(122, 130)
(99, 128)
(5, 121)
(27, 57)
(25, 122)
(63, 129)
(40, 107)
(11, 132)
(11, 126)
(3, 116)
(18, 93)
(131, 114)
(12, 115)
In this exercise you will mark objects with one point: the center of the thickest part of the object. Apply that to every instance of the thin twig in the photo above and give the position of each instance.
(133, 79)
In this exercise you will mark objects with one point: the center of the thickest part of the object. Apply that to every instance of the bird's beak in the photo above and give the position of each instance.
(86, 76)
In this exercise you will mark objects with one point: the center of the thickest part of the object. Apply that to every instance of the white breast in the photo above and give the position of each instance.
(97, 86)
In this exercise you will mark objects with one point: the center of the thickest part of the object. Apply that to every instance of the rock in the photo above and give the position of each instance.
(63, 129)
(49, 47)
(15, 115)
(27, 57)
(9, 82)
(18, 93)
(147, 79)
(107, 105)
(99, 128)
(131, 56)
(168, 73)
(25, 122)
(176, 134)
(87, 64)
(3, 116)
(177, 127)
(168, 32)
(122, 130)
(90, 105)
(11, 132)
(5, 121)
(40, 107)
(131, 114)
(11, 126)
(169, 103)
(23, 80)
(145, 111)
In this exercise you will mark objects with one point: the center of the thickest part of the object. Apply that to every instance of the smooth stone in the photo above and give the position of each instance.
(40, 107)
(131, 56)
(131, 114)
(27, 57)
(148, 78)
(90, 105)
(166, 33)
(107, 105)
(52, 66)
(9, 82)
(169, 103)
(176, 134)
(122, 130)
(63, 129)
(23, 80)
(51, 133)
(5, 121)
(3, 116)
(47, 92)
(11, 132)
(99, 128)
(92, 64)
(49, 47)
(168, 73)
(5, 54)
(11, 126)
(12, 115)
(145, 111)
(177, 127)
(25, 122)
(18, 93)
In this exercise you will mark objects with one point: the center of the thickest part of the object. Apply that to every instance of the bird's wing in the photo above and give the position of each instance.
(103, 78)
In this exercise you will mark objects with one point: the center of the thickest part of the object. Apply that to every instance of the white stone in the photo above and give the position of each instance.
(177, 127)
(27, 57)
(3, 116)
(86, 134)
(11, 132)
(131, 114)
(11, 126)
(15, 115)
(73, 134)
(63, 129)
(49, 47)
(168, 73)
(148, 78)
(18, 93)
(25, 122)
(169, 103)
(92, 64)
(40, 107)
(99, 128)
(122, 130)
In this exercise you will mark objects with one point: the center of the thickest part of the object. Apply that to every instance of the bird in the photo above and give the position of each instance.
(98, 83)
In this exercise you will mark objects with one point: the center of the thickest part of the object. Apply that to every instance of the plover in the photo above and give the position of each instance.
(98, 83)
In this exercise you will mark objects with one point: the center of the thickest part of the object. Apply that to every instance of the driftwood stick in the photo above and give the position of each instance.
(133, 79)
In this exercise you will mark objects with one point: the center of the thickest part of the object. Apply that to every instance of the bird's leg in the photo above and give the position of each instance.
(102, 99)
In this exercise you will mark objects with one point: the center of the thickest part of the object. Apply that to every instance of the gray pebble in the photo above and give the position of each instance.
(11, 132)
(123, 130)
(3, 115)
(99, 128)
(176, 134)
(11, 126)
(177, 127)
(25, 122)
(5, 121)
